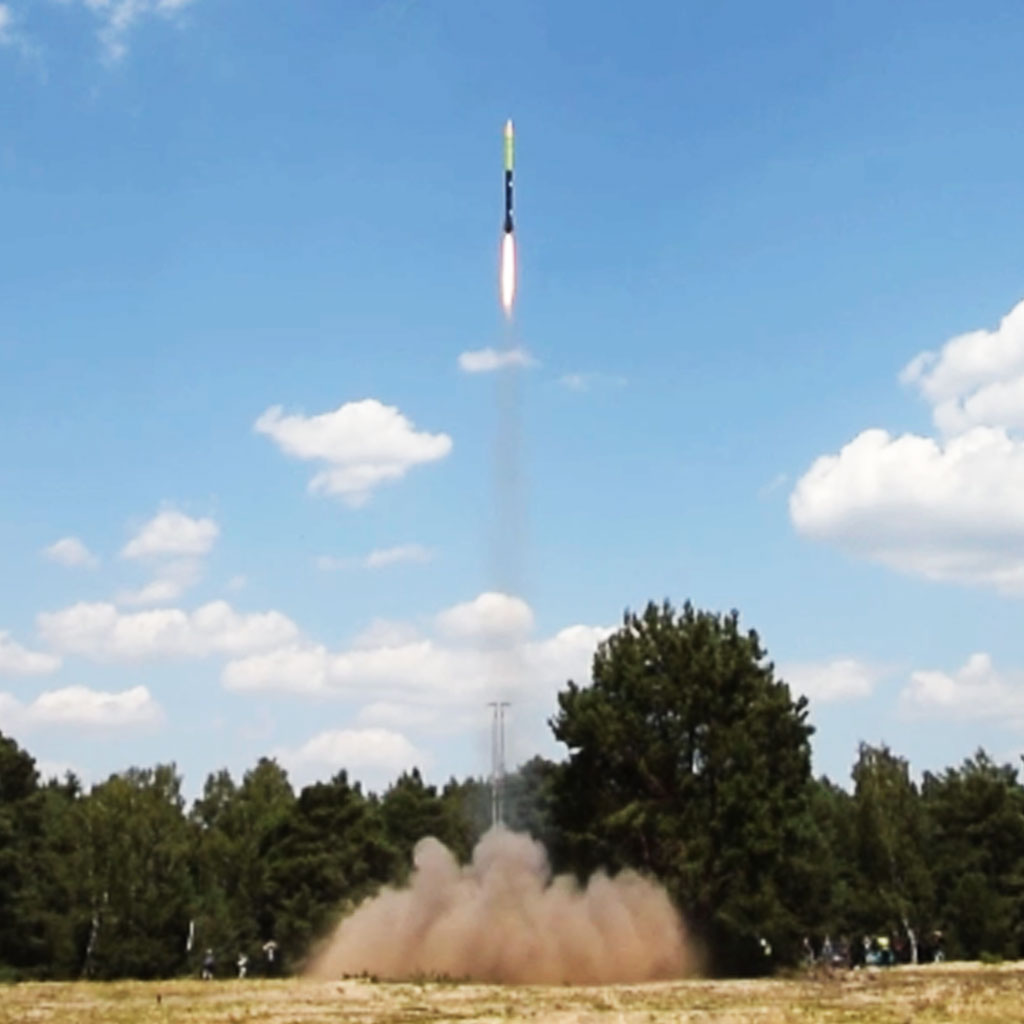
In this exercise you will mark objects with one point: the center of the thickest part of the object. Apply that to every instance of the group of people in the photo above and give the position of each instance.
(873, 951)
(270, 962)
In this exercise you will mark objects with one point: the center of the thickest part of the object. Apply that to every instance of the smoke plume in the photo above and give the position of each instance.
(503, 918)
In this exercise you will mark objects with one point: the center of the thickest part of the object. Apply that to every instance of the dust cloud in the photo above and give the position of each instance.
(503, 918)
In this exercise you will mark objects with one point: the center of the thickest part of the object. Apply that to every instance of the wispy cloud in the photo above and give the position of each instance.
(119, 18)
(6, 25)
(379, 558)
(70, 551)
(16, 660)
(487, 360)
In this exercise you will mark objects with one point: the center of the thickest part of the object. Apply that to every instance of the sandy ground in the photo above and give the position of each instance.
(946, 993)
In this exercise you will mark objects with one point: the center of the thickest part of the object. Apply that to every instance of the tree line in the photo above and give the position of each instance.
(686, 758)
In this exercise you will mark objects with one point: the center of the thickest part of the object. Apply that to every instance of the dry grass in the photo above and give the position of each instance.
(947, 993)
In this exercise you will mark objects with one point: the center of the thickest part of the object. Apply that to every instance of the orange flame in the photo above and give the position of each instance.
(508, 272)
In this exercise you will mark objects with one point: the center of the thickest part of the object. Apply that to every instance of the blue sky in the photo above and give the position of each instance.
(247, 490)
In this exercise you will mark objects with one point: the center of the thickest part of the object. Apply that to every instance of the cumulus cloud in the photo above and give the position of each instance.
(949, 508)
(81, 707)
(837, 680)
(487, 360)
(70, 551)
(368, 754)
(99, 631)
(118, 18)
(172, 545)
(977, 690)
(363, 444)
(172, 533)
(975, 379)
(460, 666)
(491, 616)
(16, 660)
(379, 558)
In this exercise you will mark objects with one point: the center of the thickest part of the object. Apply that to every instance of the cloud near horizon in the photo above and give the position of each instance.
(375, 755)
(841, 679)
(479, 648)
(81, 707)
(975, 691)
(101, 632)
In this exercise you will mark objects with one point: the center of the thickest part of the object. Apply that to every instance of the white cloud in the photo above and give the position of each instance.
(949, 510)
(70, 551)
(364, 445)
(975, 378)
(172, 580)
(487, 360)
(237, 583)
(81, 707)
(398, 666)
(118, 18)
(975, 691)
(101, 632)
(371, 754)
(491, 616)
(172, 533)
(378, 558)
(291, 669)
(16, 660)
(837, 680)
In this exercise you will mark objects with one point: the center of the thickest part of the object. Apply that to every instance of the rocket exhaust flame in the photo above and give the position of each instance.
(508, 272)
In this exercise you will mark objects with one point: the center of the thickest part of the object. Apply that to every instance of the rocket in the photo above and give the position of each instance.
(507, 275)
(509, 161)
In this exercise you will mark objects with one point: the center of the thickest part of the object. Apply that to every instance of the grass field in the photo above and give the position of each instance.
(947, 993)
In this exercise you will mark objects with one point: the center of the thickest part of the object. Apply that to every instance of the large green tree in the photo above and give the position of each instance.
(890, 836)
(234, 829)
(688, 759)
(137, 874)
(976, 852)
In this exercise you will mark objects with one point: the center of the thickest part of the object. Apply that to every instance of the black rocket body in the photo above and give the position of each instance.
(509, 163)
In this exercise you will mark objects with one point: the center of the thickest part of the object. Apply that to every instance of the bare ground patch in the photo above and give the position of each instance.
(925, 995)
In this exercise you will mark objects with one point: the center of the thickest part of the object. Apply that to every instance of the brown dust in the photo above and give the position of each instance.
(503, 918)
